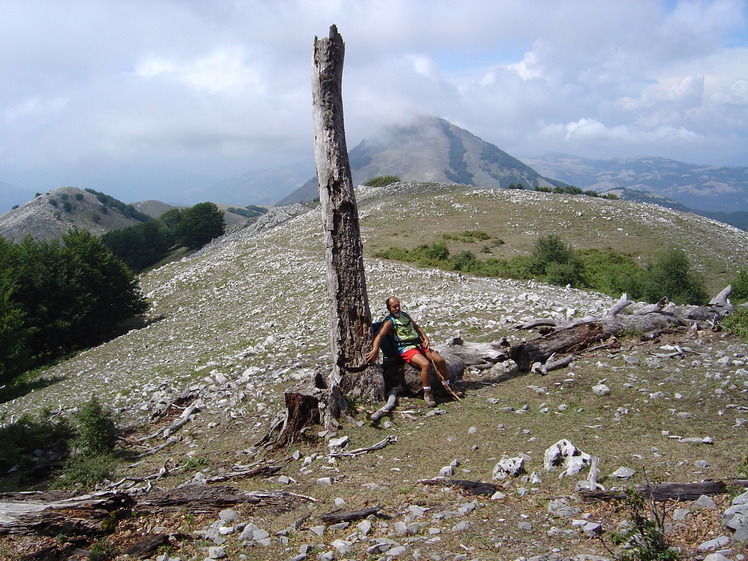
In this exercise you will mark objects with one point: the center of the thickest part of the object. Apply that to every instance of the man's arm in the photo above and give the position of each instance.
(422, 334)
(374, 352)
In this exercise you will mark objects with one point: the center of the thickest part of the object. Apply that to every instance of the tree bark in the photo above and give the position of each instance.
(350, 316)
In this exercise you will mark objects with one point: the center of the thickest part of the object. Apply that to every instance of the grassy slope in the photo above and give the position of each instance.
(251, 308)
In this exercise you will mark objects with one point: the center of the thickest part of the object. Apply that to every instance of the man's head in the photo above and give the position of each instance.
(393, 306)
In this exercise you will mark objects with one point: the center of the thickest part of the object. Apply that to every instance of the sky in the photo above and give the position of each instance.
(148, 99)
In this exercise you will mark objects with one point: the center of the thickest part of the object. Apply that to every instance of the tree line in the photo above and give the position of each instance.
(143, 245)
(60, 296)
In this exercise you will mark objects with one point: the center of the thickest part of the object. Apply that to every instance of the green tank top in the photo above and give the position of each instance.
(405, 334)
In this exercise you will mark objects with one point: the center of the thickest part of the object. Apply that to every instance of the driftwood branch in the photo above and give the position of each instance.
(389, 406)
(155, 449)
(359, 451)
(178, 423)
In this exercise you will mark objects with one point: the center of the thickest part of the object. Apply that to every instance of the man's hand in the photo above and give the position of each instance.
(371, 355)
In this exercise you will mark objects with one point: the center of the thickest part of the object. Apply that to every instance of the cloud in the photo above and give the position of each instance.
(220, 88)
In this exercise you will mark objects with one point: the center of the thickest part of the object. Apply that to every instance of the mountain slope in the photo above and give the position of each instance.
(709, 188)
(245, 317)
(431, 149)
(255, 297)
(50, 215)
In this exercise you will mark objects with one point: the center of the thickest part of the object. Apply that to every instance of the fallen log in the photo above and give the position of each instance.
(569, 340)
(665, 491)
(474, 487)
(654, 318)
(337, 517)
(86, 515)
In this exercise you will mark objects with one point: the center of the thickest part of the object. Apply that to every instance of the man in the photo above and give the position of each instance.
(413, 345)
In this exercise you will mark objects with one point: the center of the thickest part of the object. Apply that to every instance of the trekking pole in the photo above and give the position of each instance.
(445, 382)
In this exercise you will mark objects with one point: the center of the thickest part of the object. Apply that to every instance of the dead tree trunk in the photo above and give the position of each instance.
(350, 316)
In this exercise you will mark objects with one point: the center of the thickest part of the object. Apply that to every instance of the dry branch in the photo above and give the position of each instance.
(359, 451)
(474, 487)
(655, 318)
(337, 517)
(389, 406)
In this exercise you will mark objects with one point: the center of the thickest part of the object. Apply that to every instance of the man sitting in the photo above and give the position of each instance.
(413, 345)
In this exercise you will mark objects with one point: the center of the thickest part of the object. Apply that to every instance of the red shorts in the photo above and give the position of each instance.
(408, 355)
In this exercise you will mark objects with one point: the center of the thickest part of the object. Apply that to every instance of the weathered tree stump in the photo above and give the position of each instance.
(350, 316)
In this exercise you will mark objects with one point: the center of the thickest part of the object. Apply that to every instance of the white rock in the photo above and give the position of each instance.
(623, 473)
(600, 389)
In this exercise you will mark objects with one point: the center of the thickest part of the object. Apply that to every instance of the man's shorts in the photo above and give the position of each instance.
(408, 355)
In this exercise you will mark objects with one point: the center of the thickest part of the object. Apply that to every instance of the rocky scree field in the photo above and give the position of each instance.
(245, 318)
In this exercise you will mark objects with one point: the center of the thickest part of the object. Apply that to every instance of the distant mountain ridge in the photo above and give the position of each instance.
(698, 187)
(432, 149)
(50, 215)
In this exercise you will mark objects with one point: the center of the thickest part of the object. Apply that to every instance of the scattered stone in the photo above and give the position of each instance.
(701, 464)
(417, 511)
(526, 526)
(228, 515)
(705, 501)
(561, 508)
(324, 481)
(461, 526)
(509, 466)
(396, 551)
(338, 443)
(716, 543)
(592, 529)
(342, 546)
(566, 455)
(600, 389)
(623, 473)
(216, 553)
(716, 557)
(364, 527)
(317, 530)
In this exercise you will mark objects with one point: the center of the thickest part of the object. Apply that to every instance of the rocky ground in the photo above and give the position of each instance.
(237, 323)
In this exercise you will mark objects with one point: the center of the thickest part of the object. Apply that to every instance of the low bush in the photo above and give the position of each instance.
(737, 323)
(382, 181)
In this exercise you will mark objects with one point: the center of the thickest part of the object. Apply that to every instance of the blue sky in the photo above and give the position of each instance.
(141, 98)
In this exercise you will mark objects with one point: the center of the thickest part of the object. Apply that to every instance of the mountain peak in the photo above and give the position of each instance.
(431, 149)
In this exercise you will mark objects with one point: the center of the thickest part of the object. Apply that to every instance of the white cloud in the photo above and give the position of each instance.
(222, 71)
(224, 87)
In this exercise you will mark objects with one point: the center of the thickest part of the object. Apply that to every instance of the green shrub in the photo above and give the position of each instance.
(740, 287)
(21, 442)
(466, 261)
(97, 432)
(737, 323)
(554, 261)
(671, 276)
(84, 471)
(382, 181)
(609, 271)
(644, 538)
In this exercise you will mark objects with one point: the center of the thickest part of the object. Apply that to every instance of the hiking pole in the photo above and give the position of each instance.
(445, 382)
